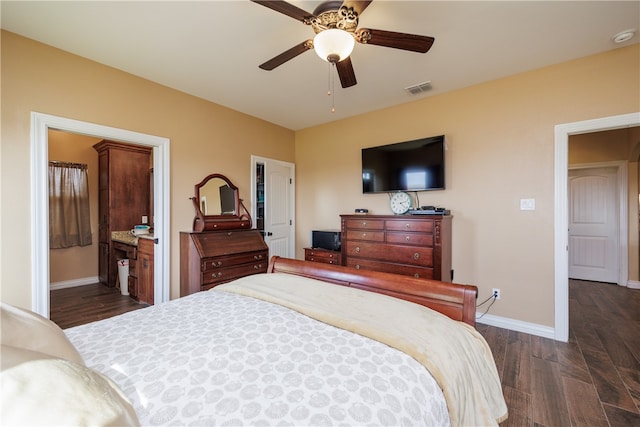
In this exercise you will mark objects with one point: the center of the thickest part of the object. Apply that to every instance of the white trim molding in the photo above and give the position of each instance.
(516, 325)
(74, 283)
(633, 284)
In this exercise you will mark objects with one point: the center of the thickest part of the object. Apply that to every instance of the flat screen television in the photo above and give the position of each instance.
(404, 166)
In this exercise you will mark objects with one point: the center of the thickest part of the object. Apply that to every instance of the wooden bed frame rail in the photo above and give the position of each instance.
(451, 299)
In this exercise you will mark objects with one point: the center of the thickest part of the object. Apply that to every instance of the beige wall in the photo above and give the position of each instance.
(500, 149)
(205, 138)
(76, 262)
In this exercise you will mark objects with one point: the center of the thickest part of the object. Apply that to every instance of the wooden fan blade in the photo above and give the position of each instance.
(287, 55)
(358, 6)
(287, 9)
(346, 73)
(395, 40)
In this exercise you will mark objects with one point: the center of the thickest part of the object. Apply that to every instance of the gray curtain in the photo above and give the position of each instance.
(69, 220)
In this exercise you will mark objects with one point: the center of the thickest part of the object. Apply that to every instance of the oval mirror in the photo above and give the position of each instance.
(218, 205)
(217, 197)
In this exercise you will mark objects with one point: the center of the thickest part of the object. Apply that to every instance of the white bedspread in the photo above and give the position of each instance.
(216, 358)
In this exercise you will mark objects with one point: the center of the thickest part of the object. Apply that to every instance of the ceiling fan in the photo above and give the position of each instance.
(336, 26)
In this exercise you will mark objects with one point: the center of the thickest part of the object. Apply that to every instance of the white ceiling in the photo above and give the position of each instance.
(212, 49)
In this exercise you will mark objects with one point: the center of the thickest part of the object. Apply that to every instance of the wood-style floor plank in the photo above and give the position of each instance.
(592, 380)
(84, 304)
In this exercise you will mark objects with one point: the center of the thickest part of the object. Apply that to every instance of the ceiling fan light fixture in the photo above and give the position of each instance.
(333, 45)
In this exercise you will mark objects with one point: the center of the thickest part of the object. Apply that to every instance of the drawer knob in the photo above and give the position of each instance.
(357, 249)
(417, 276)
(364, 223)
(407, 238)
(219, 263)
(257, 256)
(357, 266)
(407, 225)
(416, 256)
(364, 235)
(257, 266)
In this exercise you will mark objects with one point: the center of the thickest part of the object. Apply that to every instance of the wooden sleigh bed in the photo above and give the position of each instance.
(282, 348)
(453, 300)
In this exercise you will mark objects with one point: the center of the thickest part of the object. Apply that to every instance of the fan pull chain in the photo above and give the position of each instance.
(331, 89)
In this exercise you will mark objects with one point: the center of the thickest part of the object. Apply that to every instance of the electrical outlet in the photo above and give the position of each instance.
(496, 293)
(145, 219)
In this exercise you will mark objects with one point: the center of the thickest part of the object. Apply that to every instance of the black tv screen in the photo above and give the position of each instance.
(405, 166)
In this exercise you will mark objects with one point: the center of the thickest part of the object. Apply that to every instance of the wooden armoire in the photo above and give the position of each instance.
(123, 197)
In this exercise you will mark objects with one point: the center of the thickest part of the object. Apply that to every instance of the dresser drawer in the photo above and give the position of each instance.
(371, 236)
(364, 224)
(322, 255)
(231, 260)
(394, 253)
(210, 278)
(425, 226)
(388, 267)
(418, 239)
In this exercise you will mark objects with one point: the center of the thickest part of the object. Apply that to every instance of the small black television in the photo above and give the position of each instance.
(416, 165)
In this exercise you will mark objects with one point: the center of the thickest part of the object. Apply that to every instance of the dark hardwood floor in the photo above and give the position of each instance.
(593, 380)
(85, 304)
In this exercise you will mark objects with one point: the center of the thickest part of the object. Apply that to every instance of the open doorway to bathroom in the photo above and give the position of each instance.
(40, 256)
(79, 290)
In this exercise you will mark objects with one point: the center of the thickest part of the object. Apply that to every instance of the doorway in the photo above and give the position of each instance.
(561, 222)
(40, 125)
(273, 204)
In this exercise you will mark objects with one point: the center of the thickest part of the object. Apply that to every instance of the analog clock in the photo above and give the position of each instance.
(400, 202)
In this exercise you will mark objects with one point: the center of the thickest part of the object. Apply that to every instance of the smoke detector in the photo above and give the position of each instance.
(623, 36)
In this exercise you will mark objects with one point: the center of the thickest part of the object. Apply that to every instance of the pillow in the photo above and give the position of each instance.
(28, 330)
(41, 390)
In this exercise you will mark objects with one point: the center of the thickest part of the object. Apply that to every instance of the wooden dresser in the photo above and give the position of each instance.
(413, 245)
(210, 258)
(324, 256)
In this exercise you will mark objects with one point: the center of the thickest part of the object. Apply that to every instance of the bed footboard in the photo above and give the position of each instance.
(451, 299)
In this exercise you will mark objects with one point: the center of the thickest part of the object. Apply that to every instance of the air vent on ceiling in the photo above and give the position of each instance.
(419, 88)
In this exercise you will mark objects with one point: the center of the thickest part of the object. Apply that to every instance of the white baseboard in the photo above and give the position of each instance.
(633, 284)
(73, 283)
(517, 325)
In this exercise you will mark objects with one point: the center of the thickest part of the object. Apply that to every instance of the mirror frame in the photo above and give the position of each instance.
(240, 219)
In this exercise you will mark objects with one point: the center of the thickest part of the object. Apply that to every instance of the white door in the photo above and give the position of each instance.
(278, 206)
(593, 224)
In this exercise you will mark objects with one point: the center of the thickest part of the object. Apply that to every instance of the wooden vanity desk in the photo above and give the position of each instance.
(222, 246)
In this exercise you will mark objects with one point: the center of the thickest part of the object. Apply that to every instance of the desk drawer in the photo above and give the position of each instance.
(228, 261)
(211, 278)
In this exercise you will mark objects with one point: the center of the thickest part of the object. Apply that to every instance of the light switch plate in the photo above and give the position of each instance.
(145, 219)
(527, 204)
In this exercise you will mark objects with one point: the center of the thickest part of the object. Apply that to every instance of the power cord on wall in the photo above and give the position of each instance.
(493, 299)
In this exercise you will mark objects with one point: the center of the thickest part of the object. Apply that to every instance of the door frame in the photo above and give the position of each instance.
(561, 212)
(40, 125)
(292, 194)
(622, 184)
